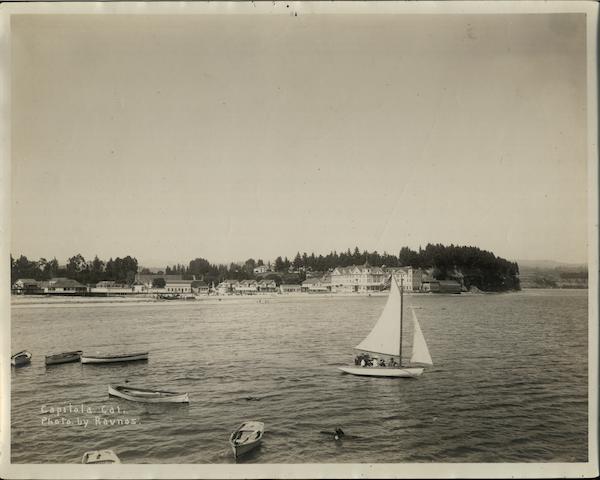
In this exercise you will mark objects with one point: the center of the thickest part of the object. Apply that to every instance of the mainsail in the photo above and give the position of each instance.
(385, 336)
(420, 352)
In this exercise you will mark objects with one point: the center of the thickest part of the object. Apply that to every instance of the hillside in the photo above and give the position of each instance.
(562, 276)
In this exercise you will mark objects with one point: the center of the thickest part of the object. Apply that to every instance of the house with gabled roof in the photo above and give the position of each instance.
(64, 286)
(26, 286)
(315, 285)
(410, 278)
(357, 278)
(267, 286)
(227, 287)
(246, 287)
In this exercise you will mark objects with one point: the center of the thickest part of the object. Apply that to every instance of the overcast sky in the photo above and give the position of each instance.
(229, 137)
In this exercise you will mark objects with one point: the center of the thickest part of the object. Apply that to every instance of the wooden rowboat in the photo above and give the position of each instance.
(145, 395)
(21, 358)
(130, 357)
(100, 456)
(65, 357)
(246, 437)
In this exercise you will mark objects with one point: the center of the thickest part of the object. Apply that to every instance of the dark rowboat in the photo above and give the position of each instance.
(65, 357)
(21, 358)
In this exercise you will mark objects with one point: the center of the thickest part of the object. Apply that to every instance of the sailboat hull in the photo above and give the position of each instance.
(383, 371)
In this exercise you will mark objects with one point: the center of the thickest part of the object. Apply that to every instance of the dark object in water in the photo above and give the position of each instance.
(257, 399)
(337, 434)
(65, 357)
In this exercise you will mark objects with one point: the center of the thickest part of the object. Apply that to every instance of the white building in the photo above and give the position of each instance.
(178, 286)
(410, 278)
(357, 278)
(246, 287)
(227, 286)
(315, 285)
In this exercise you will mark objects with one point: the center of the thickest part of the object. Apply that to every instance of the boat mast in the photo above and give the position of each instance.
(401, 312)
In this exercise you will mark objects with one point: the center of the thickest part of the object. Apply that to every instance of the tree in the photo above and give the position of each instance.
(199, 267)
(297, 263)
(96, 269)
(249, 266)
(279, 265)
(77, 268)
(158, 283)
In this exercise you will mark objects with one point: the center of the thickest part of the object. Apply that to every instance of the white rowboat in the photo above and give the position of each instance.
(246, 437)
(145, 395)
(21, 358)
(130, 357)
(100, 456)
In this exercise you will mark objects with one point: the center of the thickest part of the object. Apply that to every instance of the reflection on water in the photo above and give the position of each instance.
(509, 382)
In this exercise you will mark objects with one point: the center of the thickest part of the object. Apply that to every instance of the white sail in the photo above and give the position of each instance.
(420, 352)
(385, 336)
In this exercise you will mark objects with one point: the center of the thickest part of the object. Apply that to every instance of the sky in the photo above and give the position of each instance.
(228, 137)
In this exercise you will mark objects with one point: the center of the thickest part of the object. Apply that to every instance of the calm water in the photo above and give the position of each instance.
(509, 384)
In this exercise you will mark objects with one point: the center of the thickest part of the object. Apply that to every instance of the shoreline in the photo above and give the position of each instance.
(32, 301)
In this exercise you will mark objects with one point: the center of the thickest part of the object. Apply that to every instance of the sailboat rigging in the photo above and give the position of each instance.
(385, 340)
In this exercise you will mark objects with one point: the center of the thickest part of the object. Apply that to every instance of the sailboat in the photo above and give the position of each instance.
(385, 342)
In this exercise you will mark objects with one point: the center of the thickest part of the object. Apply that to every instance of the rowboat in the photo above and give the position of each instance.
(100, 456)
(21, 358)
(145, 395)
(246, 437)
(130, 357)
(65, 357)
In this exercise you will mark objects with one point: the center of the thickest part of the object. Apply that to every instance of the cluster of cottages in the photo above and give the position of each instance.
(353, 279)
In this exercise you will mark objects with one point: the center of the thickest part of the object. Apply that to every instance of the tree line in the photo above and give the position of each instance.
(119, 270)
(470, 265)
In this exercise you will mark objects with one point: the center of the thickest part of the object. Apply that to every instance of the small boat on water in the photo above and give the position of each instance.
(21, 358)
(385, 343)
(128, 357)
(65, 357)
(246, 437)
(100, 456)
(145, 395)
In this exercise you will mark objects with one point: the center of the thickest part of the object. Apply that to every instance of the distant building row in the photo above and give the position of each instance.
(352, 279)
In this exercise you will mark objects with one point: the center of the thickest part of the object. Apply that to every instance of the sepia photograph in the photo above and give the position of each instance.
(299, 240)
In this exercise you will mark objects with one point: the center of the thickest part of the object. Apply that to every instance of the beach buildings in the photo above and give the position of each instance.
(200, 287)
(26, 286)
(110, 288)
(178, 286)
(316, 285)
(267, 286)
(246, 287)
(64, 286)
(227, 286)
(358, 278)
(410, 278)
(290, 288)
(147, 279)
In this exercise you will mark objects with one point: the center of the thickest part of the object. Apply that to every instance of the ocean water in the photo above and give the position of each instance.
(509, 382)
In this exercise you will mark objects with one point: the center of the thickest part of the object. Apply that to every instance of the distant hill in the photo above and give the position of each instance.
(549, 264)
(552, 274)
